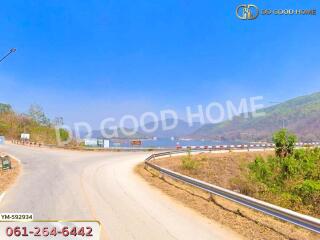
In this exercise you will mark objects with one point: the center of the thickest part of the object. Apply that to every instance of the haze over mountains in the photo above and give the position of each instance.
(182, 129)
(121, 133)
(300, 115)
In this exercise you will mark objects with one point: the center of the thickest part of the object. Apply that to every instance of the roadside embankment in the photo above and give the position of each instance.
(220, 169)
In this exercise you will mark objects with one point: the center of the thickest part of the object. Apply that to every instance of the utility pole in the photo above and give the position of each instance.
(283, 120)
(12, 50)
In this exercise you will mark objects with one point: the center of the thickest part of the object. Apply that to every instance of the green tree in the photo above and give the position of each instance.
(284, 143)
(64, 134)
(5, 108)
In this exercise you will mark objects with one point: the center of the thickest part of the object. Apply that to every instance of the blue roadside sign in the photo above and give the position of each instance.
(2, 140)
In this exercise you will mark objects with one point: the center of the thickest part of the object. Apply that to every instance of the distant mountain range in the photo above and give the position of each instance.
(300, 115)
(182, 129)
(121, 134)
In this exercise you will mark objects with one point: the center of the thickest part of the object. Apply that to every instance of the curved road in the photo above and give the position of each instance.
(61, 184)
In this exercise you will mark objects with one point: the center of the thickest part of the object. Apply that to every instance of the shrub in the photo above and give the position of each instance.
(188, 162)
(284, 142)
(260, 170)
(64, 134)
(290, 179)
(309, 191)
(290, 168)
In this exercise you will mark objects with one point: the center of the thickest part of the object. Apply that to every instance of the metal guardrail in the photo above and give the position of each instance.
(284, 214)
(27, 143)
(178, 147)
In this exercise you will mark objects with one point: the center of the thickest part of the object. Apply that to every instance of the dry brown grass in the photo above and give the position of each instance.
(250, 224)
(229, 170)
(8, 177)
(216, 168)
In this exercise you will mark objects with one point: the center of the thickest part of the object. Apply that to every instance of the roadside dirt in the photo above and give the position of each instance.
(250, 224)
(8, 177)
(216, 168)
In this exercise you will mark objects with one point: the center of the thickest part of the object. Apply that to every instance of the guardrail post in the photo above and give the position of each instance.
(162, 176)
(211, 198)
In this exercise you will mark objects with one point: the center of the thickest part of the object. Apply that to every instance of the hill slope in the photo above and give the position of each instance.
(40, 128)
(121, 134)
(300, 115)
(182, 128)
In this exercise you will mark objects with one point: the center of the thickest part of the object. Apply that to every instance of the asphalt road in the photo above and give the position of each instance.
(60, 184)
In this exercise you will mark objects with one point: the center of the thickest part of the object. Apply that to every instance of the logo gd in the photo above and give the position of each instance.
(247, 11)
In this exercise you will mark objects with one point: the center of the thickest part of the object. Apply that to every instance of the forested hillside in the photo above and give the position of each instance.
(35, 122)
(300, 115)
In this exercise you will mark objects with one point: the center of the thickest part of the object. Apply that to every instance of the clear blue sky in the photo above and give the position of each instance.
(87, 60)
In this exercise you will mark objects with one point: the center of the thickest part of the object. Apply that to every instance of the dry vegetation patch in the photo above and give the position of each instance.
(216, 168)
